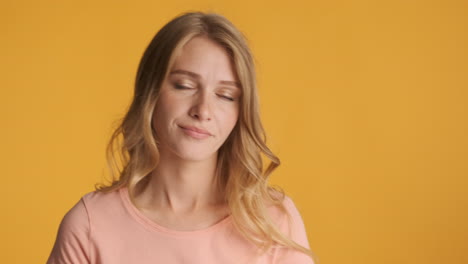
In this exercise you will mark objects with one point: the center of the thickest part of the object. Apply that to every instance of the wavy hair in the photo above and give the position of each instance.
(132, 152)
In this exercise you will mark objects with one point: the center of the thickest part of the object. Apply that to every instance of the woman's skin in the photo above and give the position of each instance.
(201, 91)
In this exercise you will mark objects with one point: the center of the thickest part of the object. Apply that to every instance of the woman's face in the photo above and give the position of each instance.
(198, 103)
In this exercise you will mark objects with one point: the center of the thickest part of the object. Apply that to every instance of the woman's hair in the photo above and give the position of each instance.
(133, 154)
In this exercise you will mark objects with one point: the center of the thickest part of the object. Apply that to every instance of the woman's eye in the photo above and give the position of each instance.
(227, 97)
(181, 87)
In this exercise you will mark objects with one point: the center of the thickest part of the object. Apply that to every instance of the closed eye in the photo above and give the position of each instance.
(226, 97)
(181, 87)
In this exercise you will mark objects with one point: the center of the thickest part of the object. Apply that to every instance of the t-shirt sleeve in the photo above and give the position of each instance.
(295, 229)
(71, 244)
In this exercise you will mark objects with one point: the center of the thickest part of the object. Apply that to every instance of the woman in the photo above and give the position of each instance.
(189, 184)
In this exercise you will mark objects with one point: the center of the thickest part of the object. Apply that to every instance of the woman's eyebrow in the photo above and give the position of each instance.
(197, 76)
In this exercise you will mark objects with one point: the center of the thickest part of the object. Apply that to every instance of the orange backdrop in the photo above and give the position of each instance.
(365, 102)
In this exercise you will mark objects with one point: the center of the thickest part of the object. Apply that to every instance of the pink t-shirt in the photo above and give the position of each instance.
(109, 229)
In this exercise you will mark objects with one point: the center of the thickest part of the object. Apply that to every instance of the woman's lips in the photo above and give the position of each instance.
(195, 132)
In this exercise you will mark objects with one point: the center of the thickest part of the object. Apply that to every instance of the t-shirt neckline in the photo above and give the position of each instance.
(150, 224)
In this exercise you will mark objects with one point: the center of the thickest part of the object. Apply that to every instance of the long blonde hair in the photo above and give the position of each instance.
(132, 152)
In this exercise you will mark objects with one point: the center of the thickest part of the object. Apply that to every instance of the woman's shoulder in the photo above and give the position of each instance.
(101, 198)
(91, 205)
(289, 221)
(91, 201)
(284, 202)
(73, 236)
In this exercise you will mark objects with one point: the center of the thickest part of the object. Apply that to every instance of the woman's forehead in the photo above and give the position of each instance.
(203, 58)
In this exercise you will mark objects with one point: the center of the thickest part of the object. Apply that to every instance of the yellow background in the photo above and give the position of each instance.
(365, 102)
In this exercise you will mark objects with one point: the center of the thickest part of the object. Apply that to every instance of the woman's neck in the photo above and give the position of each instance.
(181, 186)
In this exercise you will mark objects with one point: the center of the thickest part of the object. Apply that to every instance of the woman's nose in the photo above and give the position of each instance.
(201, 108)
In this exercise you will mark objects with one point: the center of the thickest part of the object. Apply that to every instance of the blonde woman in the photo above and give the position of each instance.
(189, 184)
